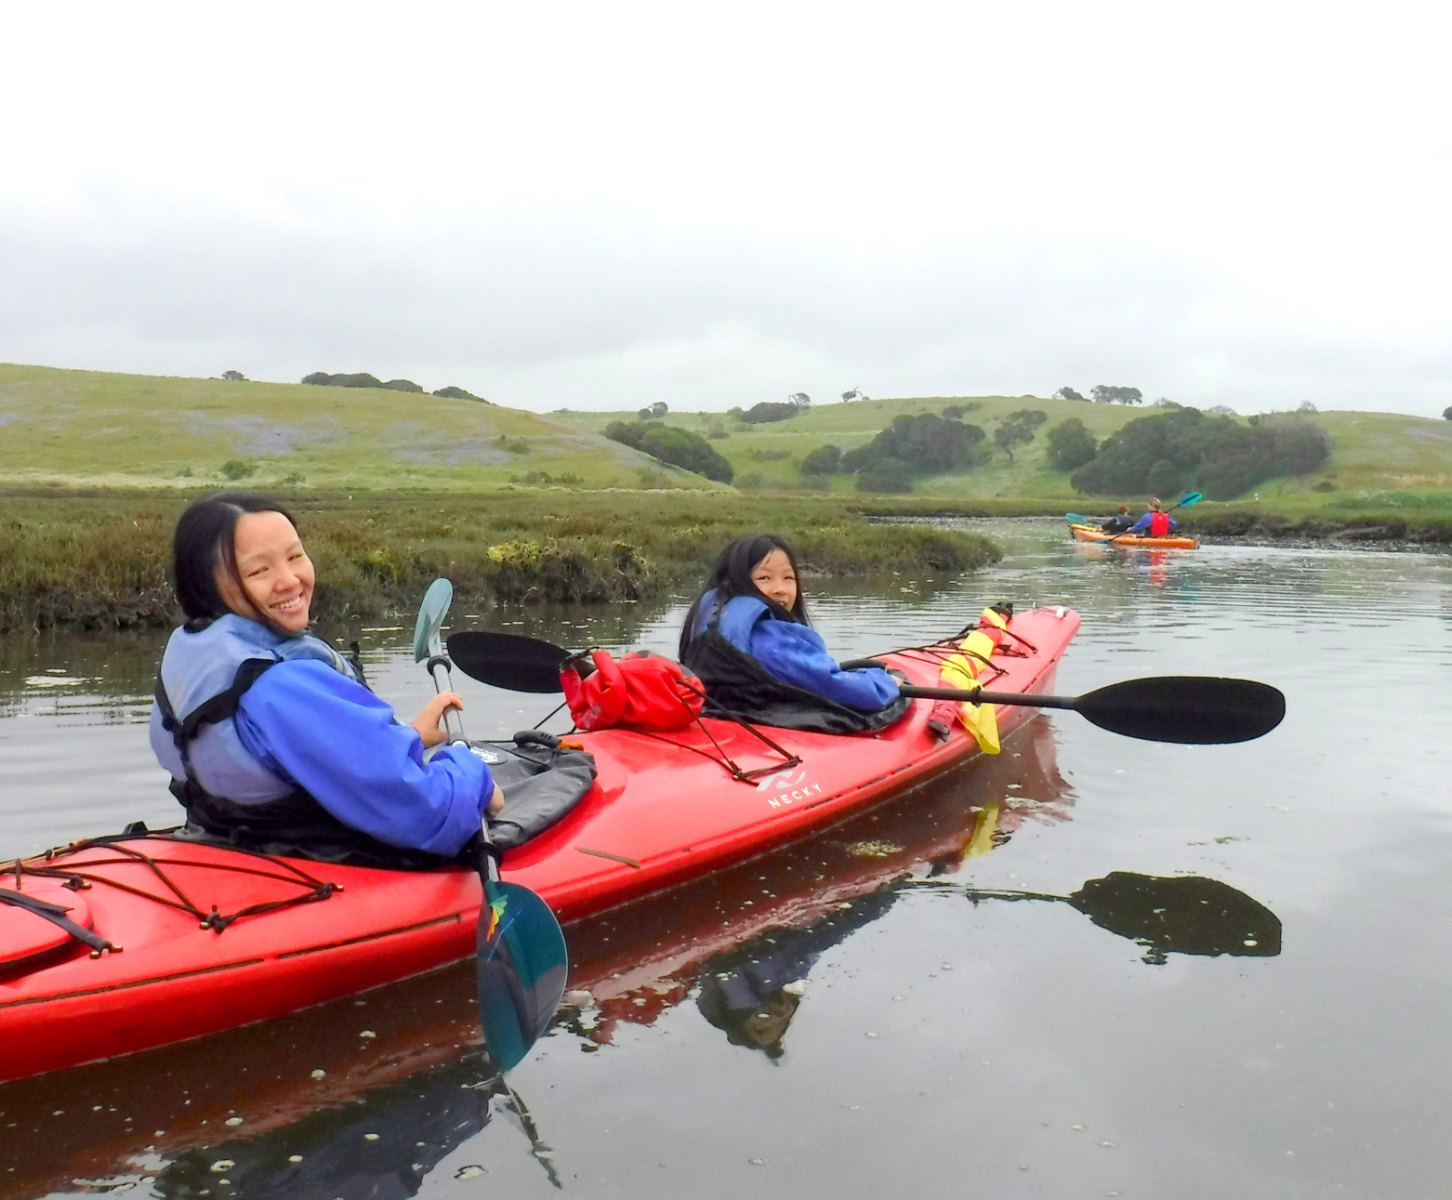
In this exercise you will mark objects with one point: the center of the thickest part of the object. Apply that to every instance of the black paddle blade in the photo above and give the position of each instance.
(1181, 914)
(1193, 710)
(508, 660)
(522, 963)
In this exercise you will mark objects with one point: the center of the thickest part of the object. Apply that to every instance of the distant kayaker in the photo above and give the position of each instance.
(748, 638)
(271, 736)
(1121, 522)
(1155, 523)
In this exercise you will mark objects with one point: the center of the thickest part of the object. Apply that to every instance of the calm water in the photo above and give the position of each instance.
(855, 1017)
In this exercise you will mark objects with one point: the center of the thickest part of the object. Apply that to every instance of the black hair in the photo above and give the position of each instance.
(731, 576)
(205, 542)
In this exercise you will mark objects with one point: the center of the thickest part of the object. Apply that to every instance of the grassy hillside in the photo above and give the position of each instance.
(92, 429)
(83, 429)
(1377, 458)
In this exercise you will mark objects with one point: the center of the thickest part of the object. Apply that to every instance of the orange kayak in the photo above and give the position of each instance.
(1093, 534)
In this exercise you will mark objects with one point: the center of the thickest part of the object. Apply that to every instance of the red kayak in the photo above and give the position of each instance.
(633, 963)
(115, 945)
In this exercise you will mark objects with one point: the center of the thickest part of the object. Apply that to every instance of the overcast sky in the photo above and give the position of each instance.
(604, 205)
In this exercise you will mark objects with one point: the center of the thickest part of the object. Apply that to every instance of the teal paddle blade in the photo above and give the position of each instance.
(522, 964)
(431, 614)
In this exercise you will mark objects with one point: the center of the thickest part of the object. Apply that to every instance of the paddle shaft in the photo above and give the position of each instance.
(978, 697)
(1183, 709)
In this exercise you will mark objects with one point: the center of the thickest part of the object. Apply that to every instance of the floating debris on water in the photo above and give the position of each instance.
(872, 849)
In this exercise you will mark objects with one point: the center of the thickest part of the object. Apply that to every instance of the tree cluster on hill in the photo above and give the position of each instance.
(1185, 448)
(361, 379)
(769, 410)
(1017, 429)
(1071, 445)
(824, 460)
(1103, 393)
(458, 393)
(668, 444)
(910, 447)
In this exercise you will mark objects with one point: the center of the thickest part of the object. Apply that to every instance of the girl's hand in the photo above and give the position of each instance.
(428, 722)
(496, 801)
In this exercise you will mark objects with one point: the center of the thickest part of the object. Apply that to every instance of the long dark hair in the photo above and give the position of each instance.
(205, 542)
(731, 576)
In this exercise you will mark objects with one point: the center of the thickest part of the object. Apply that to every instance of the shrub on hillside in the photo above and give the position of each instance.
(769, 410)
(1186, 448)
(1071, 445)
(668, 444)
(356, 379)
(824, 460)
(926, 442)
(887, 475)
(458, 393)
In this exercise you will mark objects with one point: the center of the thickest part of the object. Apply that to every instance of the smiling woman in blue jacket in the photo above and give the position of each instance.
(748, 639)
(272, 737)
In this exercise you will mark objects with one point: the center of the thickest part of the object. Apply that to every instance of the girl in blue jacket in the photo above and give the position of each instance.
(753, 601)
(270, 735)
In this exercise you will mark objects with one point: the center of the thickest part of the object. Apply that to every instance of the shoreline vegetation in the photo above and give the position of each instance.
(102, 561)
(99, 559)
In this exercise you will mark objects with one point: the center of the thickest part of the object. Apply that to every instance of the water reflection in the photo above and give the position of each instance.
(1176, 914)
(368, 1096)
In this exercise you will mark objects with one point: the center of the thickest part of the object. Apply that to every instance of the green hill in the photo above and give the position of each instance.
(91, 429)
(84, 429)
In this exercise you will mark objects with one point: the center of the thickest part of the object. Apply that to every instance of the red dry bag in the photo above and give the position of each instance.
(642, 689)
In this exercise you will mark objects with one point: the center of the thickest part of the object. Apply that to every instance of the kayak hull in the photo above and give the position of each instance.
(663, 809)
(1096, 536)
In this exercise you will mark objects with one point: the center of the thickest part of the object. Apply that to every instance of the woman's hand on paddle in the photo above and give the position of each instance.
(496, 801)
(429, 722)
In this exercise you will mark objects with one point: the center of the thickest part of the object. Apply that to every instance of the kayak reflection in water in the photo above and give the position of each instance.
(383, 1146)
(752, 992)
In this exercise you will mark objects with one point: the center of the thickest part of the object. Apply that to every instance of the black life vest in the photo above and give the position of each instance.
(739, 686)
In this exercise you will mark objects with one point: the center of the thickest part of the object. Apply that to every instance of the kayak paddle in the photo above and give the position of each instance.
(520, 956)
(1175, 914)
(1193, 710)
(509, 660)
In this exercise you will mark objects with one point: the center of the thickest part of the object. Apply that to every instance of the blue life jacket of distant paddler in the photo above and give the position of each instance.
(227, 792)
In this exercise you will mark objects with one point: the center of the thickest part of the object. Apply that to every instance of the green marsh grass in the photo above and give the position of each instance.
(102, 560)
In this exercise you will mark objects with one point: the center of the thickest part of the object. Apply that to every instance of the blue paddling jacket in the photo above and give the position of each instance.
(276, 743)
(761, 667)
